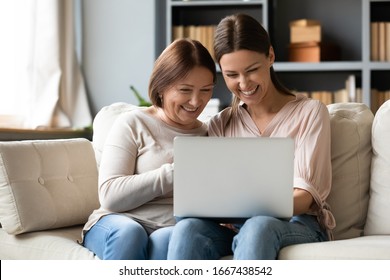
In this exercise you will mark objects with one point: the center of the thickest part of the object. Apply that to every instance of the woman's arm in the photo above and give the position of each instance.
(133, 169)
(313, 171)
(303, 201)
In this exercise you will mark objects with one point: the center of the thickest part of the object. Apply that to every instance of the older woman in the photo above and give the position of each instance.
(136, 170)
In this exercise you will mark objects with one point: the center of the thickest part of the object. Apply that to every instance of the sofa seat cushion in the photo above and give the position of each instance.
(57, 244)
(378, 220)
(351, 159)
(46, 184)
(359, 248)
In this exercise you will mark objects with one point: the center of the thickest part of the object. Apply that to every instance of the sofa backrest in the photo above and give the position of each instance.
(378, 220)
(351, 159)
(103, 122)
(351, 125)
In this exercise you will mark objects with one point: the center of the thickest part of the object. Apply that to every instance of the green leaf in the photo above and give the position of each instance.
(141, 101)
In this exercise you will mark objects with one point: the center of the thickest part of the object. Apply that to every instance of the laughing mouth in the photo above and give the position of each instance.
(249, 92)
(188, 109)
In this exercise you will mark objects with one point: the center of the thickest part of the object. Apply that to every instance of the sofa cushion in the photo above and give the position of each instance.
(360, 248)
(103, 122)
(351, 157)
(56, 244)
(378, 221)
(46, 184)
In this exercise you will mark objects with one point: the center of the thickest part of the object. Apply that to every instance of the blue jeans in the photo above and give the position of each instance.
(117, 237)
(258, 238)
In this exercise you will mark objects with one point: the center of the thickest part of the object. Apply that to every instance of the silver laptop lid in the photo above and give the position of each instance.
(220, 177)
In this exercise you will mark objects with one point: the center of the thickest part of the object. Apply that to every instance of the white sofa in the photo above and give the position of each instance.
(48, 188)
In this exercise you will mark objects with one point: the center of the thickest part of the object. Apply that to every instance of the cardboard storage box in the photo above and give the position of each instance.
(305, 30)
(313, 52)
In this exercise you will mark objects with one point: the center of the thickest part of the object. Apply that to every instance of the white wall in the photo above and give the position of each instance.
(118, 49)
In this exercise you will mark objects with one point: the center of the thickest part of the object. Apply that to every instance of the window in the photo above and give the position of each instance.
(41, 82)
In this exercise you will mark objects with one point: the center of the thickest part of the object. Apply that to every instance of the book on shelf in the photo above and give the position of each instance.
(374, 41)
(177, 32)
(324, 96)
(350, 93)
(387, 35)
(340, 96)
(354, 93)
(380, 41)
(202, 33)
(378, 97)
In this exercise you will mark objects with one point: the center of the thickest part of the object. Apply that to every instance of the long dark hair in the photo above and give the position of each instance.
(238, 32)
(174, 63)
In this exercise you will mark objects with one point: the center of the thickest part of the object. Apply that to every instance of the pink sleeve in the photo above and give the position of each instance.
(313, 170)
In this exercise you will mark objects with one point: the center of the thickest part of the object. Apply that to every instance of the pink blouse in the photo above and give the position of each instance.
(307, 122)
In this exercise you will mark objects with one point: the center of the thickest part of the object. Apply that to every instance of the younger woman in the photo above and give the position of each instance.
(263, 107)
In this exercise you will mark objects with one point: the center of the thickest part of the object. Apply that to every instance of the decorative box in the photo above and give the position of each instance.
(313, 52)
(305, 30)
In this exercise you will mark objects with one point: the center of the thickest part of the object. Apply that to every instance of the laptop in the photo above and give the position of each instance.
(230, 179)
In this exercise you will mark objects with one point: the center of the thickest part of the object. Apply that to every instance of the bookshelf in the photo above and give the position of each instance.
(345, 23)
(378, 68)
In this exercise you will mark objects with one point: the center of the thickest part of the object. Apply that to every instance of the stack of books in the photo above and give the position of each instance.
(202, 33)
(350, 93)
(378, 97)
(380, 41)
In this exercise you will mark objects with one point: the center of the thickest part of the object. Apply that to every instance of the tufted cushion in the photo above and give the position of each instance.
(103, 122)
(351, 157)
(46, 184)
(378, 221)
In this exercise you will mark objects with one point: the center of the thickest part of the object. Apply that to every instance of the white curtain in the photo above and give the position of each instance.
(48, 89)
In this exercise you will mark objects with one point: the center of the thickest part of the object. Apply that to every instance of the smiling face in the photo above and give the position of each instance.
(185, 100)
(247, 74)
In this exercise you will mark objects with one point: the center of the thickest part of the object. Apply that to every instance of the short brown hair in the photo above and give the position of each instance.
(174, 63)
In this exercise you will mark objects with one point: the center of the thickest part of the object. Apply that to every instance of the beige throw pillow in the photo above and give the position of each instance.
(46, 184)
(378, 220)
(351, 157)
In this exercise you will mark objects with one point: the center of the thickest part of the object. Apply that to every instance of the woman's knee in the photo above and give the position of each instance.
(198, 239)
(188, 226)
(259, 226)
(127, 229)
(120, 238)
(158, 243)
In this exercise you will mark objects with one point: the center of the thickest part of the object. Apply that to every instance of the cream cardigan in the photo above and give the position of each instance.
(136, 170)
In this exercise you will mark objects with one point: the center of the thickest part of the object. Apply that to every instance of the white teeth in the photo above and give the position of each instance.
(249, 92)
(190, 109)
